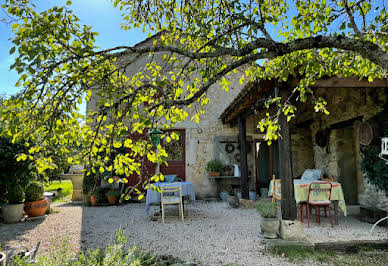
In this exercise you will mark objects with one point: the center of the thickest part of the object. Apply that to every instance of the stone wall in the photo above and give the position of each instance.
(343, 150)
(200, 138)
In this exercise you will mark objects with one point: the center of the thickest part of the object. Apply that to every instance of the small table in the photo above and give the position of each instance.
(153, 196)
(301, 191)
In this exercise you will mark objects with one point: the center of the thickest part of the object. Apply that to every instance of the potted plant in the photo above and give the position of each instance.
(94, 197)
(36, 204)
(232, 198)
(269, 212)
(214, 167)
(112, 196)
(13, 211)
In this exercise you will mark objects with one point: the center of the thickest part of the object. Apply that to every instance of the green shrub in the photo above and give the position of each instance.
(15, 195)
(34, 191)
(267, 208)
(214, 166)
(113, 193)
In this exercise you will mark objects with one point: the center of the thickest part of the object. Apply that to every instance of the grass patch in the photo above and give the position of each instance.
(63, 190)
(357, 258)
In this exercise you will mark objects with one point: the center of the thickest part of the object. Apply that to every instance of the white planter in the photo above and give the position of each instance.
(77, 181)
(2, 259)
(270, 227)
(12, 213)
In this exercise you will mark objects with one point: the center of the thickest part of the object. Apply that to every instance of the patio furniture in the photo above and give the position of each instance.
(301, 189)
(23, 252)
(154, 196)
(168, 197)
(276, 193)
(319, 195)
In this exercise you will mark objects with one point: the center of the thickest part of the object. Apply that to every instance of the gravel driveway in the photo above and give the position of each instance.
(212, 233)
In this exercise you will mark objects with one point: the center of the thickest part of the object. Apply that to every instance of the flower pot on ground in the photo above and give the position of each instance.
(232, 198)
(112, 196)
(94, 198)
(214, 167)
(270, 222)
(13, 210)
(36, 204)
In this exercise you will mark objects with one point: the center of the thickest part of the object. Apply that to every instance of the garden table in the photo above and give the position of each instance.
(301, 191)
(153, 196)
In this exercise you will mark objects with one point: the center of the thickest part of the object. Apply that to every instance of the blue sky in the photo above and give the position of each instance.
(100, 14)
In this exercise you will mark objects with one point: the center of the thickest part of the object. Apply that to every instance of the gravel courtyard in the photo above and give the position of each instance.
(212, 233)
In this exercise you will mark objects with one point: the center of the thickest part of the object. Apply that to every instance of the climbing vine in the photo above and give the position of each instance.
(376, 169)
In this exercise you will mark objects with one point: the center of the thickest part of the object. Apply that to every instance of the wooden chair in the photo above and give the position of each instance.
(168, 196)
(315, 189)
(276, 189)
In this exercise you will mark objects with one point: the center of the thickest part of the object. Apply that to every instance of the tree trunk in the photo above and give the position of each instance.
(288, 204)
(243, 157)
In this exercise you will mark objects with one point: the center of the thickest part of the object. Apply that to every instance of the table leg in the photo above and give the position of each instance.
(160, 208)
(336, 212)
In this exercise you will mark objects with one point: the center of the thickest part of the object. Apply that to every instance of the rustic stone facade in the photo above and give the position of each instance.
(342, 153)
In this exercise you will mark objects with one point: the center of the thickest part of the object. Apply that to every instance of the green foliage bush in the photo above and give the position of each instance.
(34, 191)
(376, 169)
(15, 195)
(214, 166)
(113, 193)
(114, 254)
(267, 208)
(13, 172)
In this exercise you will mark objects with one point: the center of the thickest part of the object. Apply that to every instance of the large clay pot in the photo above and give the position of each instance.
(233, 201)
(36, 208)
(93, 200)
(77, 181)
(2, 259)
(270, 227)
(12, 213)
(112, 199)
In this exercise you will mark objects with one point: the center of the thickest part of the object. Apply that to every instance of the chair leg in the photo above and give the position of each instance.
(162, 213)
(331, 218)
(308, 216)
(301, 213)
(181, 209)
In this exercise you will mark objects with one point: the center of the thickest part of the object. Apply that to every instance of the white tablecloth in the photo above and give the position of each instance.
(153, 196)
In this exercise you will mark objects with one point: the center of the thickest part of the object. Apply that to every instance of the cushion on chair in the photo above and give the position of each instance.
(319, 202)
(171, 199)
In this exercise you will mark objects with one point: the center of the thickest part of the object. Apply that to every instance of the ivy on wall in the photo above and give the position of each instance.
(376, 169)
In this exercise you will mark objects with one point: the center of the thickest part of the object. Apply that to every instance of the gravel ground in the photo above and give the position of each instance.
(212, 233)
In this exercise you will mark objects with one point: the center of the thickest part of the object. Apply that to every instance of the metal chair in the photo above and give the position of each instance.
(316, 189)
(169, 196)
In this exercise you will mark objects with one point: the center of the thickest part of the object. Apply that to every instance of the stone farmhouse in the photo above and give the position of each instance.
(228, 132)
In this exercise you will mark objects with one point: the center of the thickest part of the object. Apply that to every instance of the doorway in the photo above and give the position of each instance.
(267, 162)
(345, 152)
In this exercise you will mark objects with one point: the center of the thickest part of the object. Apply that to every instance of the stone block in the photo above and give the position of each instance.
(291, 230)
(247, 204)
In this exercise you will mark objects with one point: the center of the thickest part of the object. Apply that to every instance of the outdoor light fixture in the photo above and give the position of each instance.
(155, 136)
(384, 148)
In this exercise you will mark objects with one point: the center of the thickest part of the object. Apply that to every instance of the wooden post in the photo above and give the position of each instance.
(243, 157)
(288, 204)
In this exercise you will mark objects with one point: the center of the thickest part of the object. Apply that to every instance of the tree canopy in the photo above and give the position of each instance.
(204, 40)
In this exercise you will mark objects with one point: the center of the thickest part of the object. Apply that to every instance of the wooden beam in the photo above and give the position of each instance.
(242, 134)
(335, 82)
(288, 203)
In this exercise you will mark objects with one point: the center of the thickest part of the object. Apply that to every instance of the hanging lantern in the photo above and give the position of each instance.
(155, 136)
(384, 146)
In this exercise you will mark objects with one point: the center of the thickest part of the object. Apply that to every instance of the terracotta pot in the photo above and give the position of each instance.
(12, 213)
(270, 226)
(214, 173)
(93, 200)
(112, 199)
(233, 201)
(36, 208)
